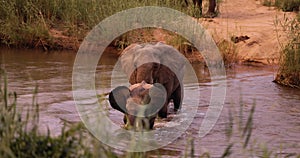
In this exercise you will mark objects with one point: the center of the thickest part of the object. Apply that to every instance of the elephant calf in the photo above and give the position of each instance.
(155, 72)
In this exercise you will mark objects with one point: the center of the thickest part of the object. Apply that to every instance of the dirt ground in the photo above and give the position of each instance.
(249, 18)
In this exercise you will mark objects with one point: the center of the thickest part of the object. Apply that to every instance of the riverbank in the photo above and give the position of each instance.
(51, 28)
(61, 24)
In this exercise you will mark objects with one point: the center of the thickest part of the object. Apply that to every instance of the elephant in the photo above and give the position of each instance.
(152, 69)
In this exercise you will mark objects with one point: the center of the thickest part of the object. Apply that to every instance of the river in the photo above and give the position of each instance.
(276, 121)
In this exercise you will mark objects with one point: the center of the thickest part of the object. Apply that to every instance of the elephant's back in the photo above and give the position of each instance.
(137, 54)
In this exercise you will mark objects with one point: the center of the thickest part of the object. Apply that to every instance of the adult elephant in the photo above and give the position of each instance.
(155, 72)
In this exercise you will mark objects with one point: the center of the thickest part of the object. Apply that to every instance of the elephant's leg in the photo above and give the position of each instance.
(163, 112)
(177, 97)
(125, 119)
(151, 123)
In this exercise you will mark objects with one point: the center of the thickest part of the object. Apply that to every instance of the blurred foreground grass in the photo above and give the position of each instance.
(19, 136)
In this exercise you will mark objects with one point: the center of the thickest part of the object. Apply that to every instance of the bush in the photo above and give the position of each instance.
(288, 5)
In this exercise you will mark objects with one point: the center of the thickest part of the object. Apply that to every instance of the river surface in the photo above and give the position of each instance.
(276, 120)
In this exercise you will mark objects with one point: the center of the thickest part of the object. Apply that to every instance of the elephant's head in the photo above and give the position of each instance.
(140, 103)
(149, 62)
(147, 72)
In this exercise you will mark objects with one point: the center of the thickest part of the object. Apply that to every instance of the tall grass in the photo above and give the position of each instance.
(228, 51)
(289, 71)
(27, 22)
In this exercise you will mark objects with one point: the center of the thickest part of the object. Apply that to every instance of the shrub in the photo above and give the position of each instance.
(288, 5)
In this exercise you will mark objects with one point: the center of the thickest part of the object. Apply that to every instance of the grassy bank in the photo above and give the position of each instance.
(62, 24)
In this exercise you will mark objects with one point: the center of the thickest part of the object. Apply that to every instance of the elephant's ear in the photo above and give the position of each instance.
(158, 95)
(118, 98)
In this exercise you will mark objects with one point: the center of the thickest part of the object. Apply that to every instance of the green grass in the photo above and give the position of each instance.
(267, 3)
(287, 5)
(228, 51)
(284, 5)
(289, 71)
(27, 22)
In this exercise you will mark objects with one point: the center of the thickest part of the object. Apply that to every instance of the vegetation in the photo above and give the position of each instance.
(62, 24)
(289, 71)
(288, 5)
(33, 23)
(19, 134)
(228, 51)
(285, 5)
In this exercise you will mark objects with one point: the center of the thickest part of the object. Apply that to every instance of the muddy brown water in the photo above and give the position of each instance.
(276, 124)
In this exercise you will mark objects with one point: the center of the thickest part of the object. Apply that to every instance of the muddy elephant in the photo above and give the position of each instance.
(155, 72)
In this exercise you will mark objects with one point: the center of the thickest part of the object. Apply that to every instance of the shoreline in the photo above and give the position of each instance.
(193, 57)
